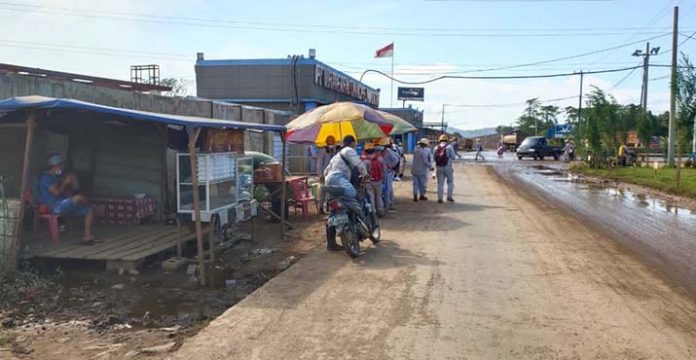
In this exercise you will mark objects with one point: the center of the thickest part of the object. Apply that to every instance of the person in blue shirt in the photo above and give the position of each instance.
(57, 191)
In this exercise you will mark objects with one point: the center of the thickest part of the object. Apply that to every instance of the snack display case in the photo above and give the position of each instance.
(225, 181)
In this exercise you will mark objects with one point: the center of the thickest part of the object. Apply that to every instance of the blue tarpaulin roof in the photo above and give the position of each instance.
(39, 102)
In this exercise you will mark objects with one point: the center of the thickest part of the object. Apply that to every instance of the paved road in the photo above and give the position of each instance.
(495, 275)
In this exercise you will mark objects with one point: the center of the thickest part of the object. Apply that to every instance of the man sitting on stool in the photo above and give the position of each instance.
(58, 191)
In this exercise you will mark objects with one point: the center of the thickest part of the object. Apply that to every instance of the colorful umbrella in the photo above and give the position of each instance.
(338, 120)
(401, 126)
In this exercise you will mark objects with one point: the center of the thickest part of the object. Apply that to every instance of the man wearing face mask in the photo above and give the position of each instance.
(57, 192)
(323, 158)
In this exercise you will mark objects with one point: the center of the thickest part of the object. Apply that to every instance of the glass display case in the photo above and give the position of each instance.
(224, 179)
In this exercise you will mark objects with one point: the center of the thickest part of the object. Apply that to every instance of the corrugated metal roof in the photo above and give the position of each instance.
(41, 102)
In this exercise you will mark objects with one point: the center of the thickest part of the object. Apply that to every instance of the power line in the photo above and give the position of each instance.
(566, 57)
(509, 77)
(624, 78)
(307, 28)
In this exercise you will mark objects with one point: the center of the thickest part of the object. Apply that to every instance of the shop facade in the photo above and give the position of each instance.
(296, 84)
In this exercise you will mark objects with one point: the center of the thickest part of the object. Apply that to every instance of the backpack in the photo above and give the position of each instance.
(441, 158)
(354, 172)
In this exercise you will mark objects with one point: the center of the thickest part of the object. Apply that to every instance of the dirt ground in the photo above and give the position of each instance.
(74, 311)
(496, 275)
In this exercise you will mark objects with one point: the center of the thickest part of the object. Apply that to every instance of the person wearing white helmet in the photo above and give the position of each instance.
(444, 155)
(419, 169)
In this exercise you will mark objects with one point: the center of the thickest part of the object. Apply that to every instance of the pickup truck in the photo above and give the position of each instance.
(537, 148)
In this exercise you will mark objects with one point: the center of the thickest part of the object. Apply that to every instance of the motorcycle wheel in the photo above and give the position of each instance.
(350, 242)
(376, 230)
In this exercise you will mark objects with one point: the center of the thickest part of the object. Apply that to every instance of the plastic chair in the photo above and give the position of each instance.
(302, 196)
(50, 218)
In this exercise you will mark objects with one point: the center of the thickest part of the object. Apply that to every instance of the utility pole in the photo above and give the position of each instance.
(443, 118)
(644, 87)
(673, 91)
(577, 130)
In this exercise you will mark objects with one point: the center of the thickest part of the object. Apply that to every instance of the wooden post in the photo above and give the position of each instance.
(211, 240)
(179, 245)
(283, 190)
(193, 137)
(26, 168)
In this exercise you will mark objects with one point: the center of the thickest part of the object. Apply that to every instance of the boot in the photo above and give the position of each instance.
(333, 246)
(423, 198)
(415, 198)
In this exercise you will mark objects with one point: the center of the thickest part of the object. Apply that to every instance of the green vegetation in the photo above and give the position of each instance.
(6, 338)
(665, 180)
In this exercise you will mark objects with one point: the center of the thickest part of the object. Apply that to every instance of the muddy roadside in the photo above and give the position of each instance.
(656, 228)
(78, 311)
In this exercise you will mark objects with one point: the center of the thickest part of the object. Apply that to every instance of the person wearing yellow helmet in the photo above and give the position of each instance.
(373, 162)
(324, 156)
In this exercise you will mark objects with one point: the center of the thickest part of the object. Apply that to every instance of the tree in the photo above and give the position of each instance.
(686, 102)
(179, 86)
(529, 121)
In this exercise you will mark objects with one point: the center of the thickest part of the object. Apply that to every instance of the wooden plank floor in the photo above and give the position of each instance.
(128, 243)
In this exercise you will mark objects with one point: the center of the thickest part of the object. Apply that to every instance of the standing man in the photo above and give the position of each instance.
(390, 159)
(419, 169)
(444, 154)
(323, 158)
(373, 163)
(455, 146)
(479, 150)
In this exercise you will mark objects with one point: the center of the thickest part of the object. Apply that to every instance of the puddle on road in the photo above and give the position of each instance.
(628, 197)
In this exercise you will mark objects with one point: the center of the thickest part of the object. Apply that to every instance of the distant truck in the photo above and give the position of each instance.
(512, 139)
(536, 147)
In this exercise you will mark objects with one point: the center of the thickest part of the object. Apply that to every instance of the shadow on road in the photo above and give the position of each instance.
(388, 254)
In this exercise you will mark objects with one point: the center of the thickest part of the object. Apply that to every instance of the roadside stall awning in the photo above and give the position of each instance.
(40, 102)
(27, 110)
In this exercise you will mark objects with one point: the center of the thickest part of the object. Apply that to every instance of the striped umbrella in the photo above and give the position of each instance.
(338, 120)
(401, 126)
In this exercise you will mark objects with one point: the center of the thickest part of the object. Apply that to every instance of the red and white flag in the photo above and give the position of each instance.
(387, 51)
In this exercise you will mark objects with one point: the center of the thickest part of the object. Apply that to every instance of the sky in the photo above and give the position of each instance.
(432, 38)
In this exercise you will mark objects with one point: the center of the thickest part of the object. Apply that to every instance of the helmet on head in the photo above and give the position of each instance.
(330, 140)
(383, 141)
(348, 140)
(443, 137)
(55, 159)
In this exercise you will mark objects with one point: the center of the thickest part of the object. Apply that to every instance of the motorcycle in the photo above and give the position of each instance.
(501, 150)
(353, 220)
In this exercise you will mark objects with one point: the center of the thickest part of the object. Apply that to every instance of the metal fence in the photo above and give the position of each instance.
(9, 230)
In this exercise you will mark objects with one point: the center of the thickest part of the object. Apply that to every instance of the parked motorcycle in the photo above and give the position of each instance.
(353, 220)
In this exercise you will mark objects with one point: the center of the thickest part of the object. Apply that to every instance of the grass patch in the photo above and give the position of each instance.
(665, 180)
(6, 338)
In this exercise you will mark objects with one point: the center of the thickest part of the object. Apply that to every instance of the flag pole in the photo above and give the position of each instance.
(391, 91)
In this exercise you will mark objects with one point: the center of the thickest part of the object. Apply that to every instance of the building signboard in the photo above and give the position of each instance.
(411, 93)
(342, 84)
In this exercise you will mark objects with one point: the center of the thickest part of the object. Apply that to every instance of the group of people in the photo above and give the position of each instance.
(383, 160)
